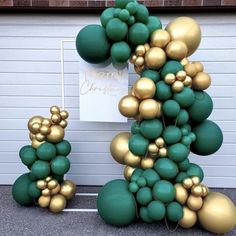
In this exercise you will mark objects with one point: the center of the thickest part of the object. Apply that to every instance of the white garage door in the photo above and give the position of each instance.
(30, 84)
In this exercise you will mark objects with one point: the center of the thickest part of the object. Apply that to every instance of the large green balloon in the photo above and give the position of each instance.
(34, 191)
(120, 52)
(166, 168)
(40, 169)
(195, 170)
(138, 144)
(153, 24)
(151, 74)
(209, 138)
(151, 177)
(92, 44)
(172, 134)
(171, 67)
(144, 196)
(170, 108)
(156, 210)
(164, 191)
(20, 190)
(141, 14)
(115, 204)
(107, 15)
(116, 29)
(151, 129)
(178, 152)
(138, 34)
(143, 213)
(135, 129)
(60, 165)
(174, 212)
(163, 91)
(182, 118)
(46, 151)
(28, 155)
(201, 107)
(63, 148)
(185, 98)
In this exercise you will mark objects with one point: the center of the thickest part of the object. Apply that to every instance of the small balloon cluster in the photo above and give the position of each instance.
(46, 158)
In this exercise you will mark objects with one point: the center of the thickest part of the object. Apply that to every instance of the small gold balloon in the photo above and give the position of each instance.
(139, 61)
(199, 66)
(56, 190)
(140, 50)
(201, 81)
(41, 184)
(169, 78)
(218, 213)
(155, 58)
(163, 152)
(152, 148)
(120, 146)
(139, 69)
(150, 109)
(188, 183)
(44, 201)
(194, 203)
(35, 128)
(63, 124)
(128, 106)
(187, 81)
(177, 86)
(40, 137)
(64, 115)
(45, 129)
(181, 194)
(196, 190)
(52, 184)
(35, 143)
(160, 38)
(189, 218)
(46, 192)
(205, 191)
(133, 58)
(146, 46)
(49, 178)
(56, 135)
(181, 75)
(128, 171)
(34, 119)
(176, 50)
(160, 142)
(147, 163)
(31, 136)
(68, 190)
(46, 122)
(190, 70)
(55, 110)
(196, 180)
(58, 203)
(56, 118)
(184, 61)
(132, 160)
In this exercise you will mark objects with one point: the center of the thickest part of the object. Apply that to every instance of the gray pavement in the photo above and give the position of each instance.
(20, 221)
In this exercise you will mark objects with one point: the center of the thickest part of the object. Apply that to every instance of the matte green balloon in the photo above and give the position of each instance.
(63, 148)
(172, 134)
(138, 34)
(136, 174)
(116, 29)
(124, 15)
(174, 212)
(138, 144)
(195, 170)
(153, 24)
(20, 190)
(185, 98)
(166, 168)
(164, 191)
(201, 107)
(40, 169)
(151, 74)
(34, 191)
(142, 14)
(156, 210)
(46, 151)
(115, 204)
(171, 67)
(135, 129)
(151, 129)
(171, 108)
(180, 177)
(120, 52)
(144, 196)
(92, 44)
(151, 177)
(184, 131)
(32, 177)
(163, 91)
(192, 136)
(131, 20)
(107, 15)
(184, 165)
(122, 3)
(117, 12)
(141, 181)
(60, 165)
(209, 138)
(133, 187)
(182, 118)
(143, 214)
(28, 155)
(186, 140)
(132, 7)
(178, 152)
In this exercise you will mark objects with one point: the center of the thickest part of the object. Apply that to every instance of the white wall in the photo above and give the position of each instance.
(30, 84)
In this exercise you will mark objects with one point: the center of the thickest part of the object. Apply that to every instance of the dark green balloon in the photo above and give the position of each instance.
(184, 131)
(132, 7)
(151, 129)
(107, 15)
(182, 118)
(178, 152)
(138, 144)
(142, 14)
(153, 24)
(133, 187)
(138, 34)
(156, 210)
(34, 191)
(195, 170)
(40, 169)
(171, 67)
(141, 181)
(151, 177)
(172, 134)
(166, 168)
(143, 213)
(144, 196)
(46, 151)
(186, 140)
(184, 165)
(120, 52)
(20, 190)
(209, 138)
(92, 44)
(192, 136)
(135, 129)
(136, 174)
(164, 191)
(124, 15)
(63, 148)
(59, 178)
(122, 3)
(185, 98)
(60, 165)
(171, 108)
(116, 29)
(201, 107)
(174, 212)
(163, 91)
(32, 177)
(151, 74)
(115, 204)
(180, 177)
(28, 155)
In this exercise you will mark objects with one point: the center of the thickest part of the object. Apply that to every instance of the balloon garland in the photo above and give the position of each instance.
(171, 108)
(46, 158)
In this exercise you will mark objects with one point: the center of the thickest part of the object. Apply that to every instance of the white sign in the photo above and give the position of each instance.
(101, 88)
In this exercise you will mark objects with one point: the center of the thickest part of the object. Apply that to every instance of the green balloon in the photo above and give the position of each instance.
(144, 196)
(180, 177)
(63, 148)
(138, 145)
(192, 136)
(138, 34)
(183, 165)
(133, 187)
(34, 191)
(166, 168)
(172, 134)
(132, 7)
(28, 155)
(182, 118)
(40, 169)
(184, 131)
(174, 212)
(124, 15)
(151, 177)
(171, 67)
(122, 3)
(151, 74)
(20, 190)
(142, 14)
(178, 152)
(120, 52)
(46, 151)
(201, 107)
(156, 210)
(116, 29)
(185, 98)
(136, 174)
(153, 24)
(60, 165)
(59, 178)
(117, 12)
(141, 181)
(32, 177)
(164, 191)
(135, 129)
(143, 214)
(171, 108)
(163, 91)
(107, 15)
(186, 140)
(92, 44)
(151, 129)
(115, 204)
(195, 170)
(209, 138)
(131, 20)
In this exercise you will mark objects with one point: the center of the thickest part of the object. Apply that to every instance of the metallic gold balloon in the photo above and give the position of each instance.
(35, 143)
(56, 118)
(58, 203)
(46, 122)
(146, 46)
(177, 86)
(160, 142)
(218, 213)
(41, 184)
(160, 38)
(194, 203)
(52, 184)
(189, 218)
(35, 127)
(46, 192)
(144, 88)
(184, 61)
(188, 183)
(63, 124)
(201, 81)
(169, 78)
(140, 50)
(205, 190)
(181, 75)
(128, 106)
(56, 190)
(68, 189)
(152, 148)
(56, 135)
(44, 201)
(155, 58)
(190, 70)
(132, 160)
(55, 110)
(188, 81)
(120, 146)
(150, 109)
(187, 30)
(64, 115)
(40, 137)
(34, 119)
(197, 190)
(163, 152)
(176, 50)
(49, 178)
(139, 61)
(147, 163)
(181, 194)
(45, 129)
(198, 65)
(196, 180)
(31, 136)
(139, 69)
(128, 171)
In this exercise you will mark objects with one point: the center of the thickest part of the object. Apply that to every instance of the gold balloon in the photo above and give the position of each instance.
(177, 86)
(160, 38)
(45, 129)
(198, 65)
(128, 171)
(139, 61)
(46, 192)
(49, 178)
(46, 122)
(181, 75)
(140, 50)
(68, 189)
(31, 136)
(34, 119)
(201, 81)
(150, 109)
(56, 118)
(44, 201)
(132, 160)
(194, 203)
(177, 50)
(189, 218)
(56, 135)
(63, 124)
(55, 110)
(163, 152)
(139, 69)
(64, 115)
(35, 143)
(40, 137)
(35, 127)
(196, 180)
(56, 190)
(146, 46)
(190, 70)
(52, 184)
(41, 184)
(120, 146)
(152, 148)
(184, 61)
(155, 58)
(128, 106)
(160, 142)
(188, 81)
(196, 190)
(205, 190)
(218, 213)
(169, 78)
(188, 183)
(133, 58)
(187, 30)
(58, 203)
(147, 163)
(181, 194)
